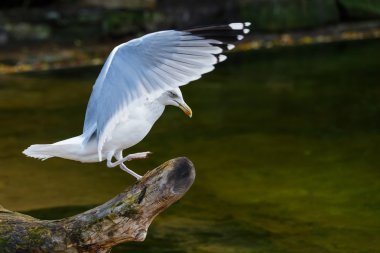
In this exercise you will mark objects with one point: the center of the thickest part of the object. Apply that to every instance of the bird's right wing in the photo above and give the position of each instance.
(146, 67)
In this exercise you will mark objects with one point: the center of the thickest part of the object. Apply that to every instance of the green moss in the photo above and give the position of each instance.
(5, 230)
(118, 204)
(129, 212)
(3, 243)
(112, 216)
(23, 237)
(37, 235)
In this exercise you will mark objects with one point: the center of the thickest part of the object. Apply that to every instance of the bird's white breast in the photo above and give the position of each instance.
(134, 126)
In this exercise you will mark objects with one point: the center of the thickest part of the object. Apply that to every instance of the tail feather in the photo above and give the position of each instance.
(40, 151)
(69, 149)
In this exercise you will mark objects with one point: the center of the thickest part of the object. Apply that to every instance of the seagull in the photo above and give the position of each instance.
(138, 79)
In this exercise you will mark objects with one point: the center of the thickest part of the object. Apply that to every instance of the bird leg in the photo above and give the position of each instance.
(129, 171)
(120, 161)
(110, 164)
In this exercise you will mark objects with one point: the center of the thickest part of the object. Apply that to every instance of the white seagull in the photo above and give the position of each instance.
(139, 78)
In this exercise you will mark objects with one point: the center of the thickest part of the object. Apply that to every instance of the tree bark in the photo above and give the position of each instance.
(124, 218)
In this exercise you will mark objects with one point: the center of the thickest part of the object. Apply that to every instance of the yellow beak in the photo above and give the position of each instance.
(186, 109)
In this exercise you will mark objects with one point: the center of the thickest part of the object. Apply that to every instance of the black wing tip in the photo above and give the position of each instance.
(226, 34)
(233, 26)
(222, 36)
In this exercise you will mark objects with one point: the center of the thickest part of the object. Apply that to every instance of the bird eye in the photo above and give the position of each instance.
(172, 94)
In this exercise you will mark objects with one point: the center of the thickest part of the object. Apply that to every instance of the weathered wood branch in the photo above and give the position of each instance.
(124, 218)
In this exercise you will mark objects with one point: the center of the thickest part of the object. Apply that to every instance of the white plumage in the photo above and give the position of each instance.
(137, 81)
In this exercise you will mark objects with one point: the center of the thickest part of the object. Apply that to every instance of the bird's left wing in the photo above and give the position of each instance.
(146, 67)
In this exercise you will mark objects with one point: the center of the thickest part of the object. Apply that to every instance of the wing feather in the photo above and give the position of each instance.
(148, 66)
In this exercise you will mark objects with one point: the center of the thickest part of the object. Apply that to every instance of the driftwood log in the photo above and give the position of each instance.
(124, 218)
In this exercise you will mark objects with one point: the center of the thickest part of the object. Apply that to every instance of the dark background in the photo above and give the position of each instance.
(68, 21)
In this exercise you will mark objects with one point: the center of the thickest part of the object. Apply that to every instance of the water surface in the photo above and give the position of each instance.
(285, 142)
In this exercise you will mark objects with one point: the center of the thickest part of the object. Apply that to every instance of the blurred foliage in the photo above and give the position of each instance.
(279, 15)
(86, 55)
(359, 9)
(32, 3)
(93, 20)
(123, 22)
(184, 14)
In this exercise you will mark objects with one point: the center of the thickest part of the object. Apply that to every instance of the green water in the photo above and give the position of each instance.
(286, 144)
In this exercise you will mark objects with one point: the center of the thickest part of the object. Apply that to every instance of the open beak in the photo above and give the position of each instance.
(186, 109)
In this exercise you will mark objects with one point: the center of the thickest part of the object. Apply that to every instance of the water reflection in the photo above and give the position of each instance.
(285, 143)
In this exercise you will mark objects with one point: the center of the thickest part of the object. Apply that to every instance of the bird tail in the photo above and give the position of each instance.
(46, 151)
(43, 151)
(71, 149)
(39, 151)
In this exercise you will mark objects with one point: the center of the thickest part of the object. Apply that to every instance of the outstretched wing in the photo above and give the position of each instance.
(148, 66)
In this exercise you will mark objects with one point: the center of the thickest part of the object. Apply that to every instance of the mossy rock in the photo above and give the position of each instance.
(281, 15)
(361, 9)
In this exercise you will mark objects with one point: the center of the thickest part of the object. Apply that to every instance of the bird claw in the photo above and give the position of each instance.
(141, 155)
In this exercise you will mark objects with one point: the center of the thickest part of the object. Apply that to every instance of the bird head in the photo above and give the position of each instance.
(174, 97)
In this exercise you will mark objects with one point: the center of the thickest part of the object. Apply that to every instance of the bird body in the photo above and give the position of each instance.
(128, 132)
(133, 128)
(137, 81)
